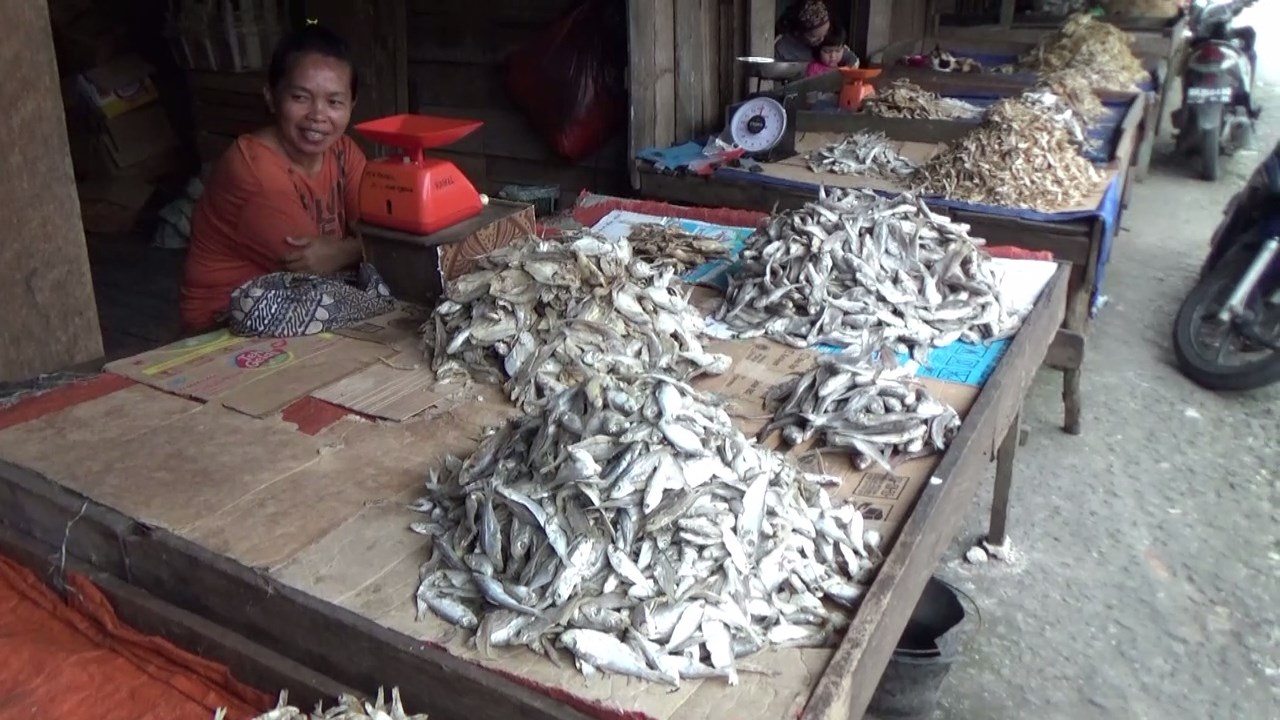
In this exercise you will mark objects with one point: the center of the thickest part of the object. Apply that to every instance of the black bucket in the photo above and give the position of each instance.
(928, 647)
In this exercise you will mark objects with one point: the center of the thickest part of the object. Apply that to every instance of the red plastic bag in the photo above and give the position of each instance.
(569, 80)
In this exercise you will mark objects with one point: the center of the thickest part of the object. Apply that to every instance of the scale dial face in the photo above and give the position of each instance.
(758, 124)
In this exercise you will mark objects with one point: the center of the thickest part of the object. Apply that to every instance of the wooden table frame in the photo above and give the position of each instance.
(1078, 243)
(336, 643)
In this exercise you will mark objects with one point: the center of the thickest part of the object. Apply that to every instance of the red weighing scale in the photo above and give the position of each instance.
(408, 191)
(856, 88)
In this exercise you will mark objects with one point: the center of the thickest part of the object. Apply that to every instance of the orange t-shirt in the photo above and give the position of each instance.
(255, 199)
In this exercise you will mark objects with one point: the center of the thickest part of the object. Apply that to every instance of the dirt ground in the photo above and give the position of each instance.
(1146, 577)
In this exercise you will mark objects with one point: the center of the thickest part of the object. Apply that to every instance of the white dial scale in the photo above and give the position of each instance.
(758, 124)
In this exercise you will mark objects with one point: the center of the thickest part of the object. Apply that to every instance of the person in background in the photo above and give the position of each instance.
(801, 29)
(284, 197)
(829, 54)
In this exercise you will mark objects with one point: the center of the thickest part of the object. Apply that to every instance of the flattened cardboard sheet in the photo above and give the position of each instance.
(256, 376)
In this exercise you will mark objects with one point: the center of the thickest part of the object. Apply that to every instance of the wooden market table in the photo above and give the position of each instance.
(288, 526)
(1081, 241)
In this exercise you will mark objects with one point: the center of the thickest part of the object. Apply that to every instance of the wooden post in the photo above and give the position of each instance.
(761, 19)
(873, 27)
(1006, 12)
(51, 319)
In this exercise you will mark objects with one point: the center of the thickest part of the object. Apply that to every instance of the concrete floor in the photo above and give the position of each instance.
(1146, 577)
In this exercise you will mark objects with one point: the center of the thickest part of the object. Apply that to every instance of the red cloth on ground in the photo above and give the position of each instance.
(75, 659)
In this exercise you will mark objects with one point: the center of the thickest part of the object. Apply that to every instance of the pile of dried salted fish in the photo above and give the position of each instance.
(904, 99)
(1095, 48)
(874, 410)
(348, 708)
(542, 314)
(1072, 85)
(629, 523)
(670, 245)
(1020, 156)
(869, 154)
(860, 271)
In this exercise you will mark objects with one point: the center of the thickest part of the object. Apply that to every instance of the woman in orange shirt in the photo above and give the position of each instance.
(285, 197)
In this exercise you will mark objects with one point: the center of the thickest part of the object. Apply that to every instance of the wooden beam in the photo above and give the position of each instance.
(664, 57)
(690, 69)
(1007, 8)
(761, 20)
(642, 83)
(879, 26)
(51, 317)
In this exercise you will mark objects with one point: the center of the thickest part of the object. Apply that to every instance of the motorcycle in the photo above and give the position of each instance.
(1217, 69)
(1227, 332)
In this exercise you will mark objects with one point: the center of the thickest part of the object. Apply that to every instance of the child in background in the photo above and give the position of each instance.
(830, 54)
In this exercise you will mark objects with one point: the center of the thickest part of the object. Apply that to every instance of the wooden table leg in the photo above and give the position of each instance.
(1071, 401)
(997, 531)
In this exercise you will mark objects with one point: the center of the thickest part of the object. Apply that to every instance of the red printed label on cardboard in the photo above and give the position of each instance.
(275, 356)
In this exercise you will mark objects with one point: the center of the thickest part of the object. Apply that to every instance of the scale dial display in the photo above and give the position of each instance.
(758, 124)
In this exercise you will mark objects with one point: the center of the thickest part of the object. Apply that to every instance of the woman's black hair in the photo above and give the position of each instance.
(835, 38)
(309, 39)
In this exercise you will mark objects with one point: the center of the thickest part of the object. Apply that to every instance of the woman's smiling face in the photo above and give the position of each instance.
(313, 104)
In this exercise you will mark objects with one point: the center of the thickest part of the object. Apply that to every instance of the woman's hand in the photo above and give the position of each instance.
(321, 255)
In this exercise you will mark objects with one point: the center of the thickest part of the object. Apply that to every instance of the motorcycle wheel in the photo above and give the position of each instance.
(1211, 154)
(1199, 307)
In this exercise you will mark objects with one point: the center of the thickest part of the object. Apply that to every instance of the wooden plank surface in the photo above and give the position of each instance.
(665, 79)
(690, 75)
(358, 575)
(51, 320)
(642, 78)
(711, 53)
(761, 20)
(854, 672)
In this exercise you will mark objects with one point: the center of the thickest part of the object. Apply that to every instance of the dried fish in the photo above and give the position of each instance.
(1073, 86)
(1019, 156)
(348, 708)
(669, 245)
(860, 271)
(872, 409)
(1097, 49)
(863, 153)
(543, 314)
(904, 99)
(688, 546)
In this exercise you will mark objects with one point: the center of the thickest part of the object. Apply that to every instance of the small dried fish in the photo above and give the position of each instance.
(877, 414)
(1097, 49)
(863, 153)
(348, 708)
(687, 547)
(670, 245)
(1072, 85)
(540, 315)
(904, 99)
(860, 271)
(1019, 156)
